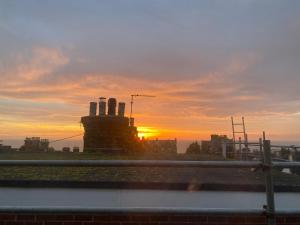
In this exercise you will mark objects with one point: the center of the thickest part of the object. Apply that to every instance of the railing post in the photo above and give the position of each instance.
(261, 150)
(270, 208)
(246, 147)
(224, 149)
(291, 154)
(240, 148)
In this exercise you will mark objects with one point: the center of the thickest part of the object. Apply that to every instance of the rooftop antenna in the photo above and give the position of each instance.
(137, 95)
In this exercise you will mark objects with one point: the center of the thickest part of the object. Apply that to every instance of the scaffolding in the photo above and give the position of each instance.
(240, 130)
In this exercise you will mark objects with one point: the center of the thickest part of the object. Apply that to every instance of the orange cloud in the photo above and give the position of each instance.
(38, 101)
(40, 61)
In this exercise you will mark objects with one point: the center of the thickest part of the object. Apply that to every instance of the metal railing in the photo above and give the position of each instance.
(266, 165)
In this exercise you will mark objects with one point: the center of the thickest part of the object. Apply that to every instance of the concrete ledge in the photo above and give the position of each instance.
(138, 219)
(143, 185)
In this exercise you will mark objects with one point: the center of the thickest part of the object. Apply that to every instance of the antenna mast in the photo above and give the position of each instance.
(132, 98)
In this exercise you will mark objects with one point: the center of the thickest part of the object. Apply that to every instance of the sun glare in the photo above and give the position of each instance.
(148, 132)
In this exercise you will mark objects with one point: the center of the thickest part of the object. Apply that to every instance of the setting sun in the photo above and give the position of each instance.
(148, 132)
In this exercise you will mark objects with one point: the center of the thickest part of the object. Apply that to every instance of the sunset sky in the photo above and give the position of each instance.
(204, 60)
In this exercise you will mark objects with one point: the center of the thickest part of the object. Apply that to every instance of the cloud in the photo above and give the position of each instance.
(203, 60)
(215, 94)
(33, 64)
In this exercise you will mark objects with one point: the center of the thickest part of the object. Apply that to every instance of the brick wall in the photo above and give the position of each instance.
(138, 219)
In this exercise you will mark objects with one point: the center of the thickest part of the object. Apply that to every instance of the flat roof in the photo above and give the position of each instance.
(118, 198)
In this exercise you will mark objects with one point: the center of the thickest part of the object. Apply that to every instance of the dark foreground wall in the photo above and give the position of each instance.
(138, 219)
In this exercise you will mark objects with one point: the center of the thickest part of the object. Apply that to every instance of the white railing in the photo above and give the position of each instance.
(266, 165)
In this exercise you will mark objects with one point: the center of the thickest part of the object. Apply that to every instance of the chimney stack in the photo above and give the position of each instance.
(121, 109)
(93, 108)
(112, 104)
(102, 107)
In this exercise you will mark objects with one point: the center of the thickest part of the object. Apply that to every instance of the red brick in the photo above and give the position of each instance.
(4, 217)
(72, 223)
(111, 223)
(140, 218)
(252, 224)
(149, 223)
(121, 218)
(130, 223)
(64, 217)
(197, 218)
(205, 223)
(101, 223)
(159, 218)
(53, 223)
(217, 219)
(33, 223)
(103, 218)
(46, 217)
(256, 219)
(280, 219)
(182, 223)
(14, 223)
(178, 218)
(25, 217)
(83, 217)
(172, 223)
(236, 219)
(293, 219)
(92, 223)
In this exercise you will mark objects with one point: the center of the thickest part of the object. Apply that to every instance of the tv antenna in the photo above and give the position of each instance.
(137, 95)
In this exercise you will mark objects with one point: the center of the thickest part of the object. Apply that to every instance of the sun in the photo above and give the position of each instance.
(147, 132)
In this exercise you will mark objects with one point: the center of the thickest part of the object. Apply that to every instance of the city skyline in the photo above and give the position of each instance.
(204, 60)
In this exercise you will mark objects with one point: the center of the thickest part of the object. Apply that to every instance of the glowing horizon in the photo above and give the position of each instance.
(205, 61)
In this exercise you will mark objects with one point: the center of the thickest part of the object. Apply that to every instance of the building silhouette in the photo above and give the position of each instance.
(214, 146)
(160, 146)
(108, 130)
(35, 144)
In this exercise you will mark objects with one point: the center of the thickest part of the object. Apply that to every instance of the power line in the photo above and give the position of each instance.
(77, 135)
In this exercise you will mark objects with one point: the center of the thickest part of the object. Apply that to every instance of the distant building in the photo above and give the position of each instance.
(35, 144)
(108, 131)
(214, 146)
(160, 146)
(51, 149)
(205, 146)
(216, 142)
(193, 149)
(76, 149)
(6, 148)
(66, 149)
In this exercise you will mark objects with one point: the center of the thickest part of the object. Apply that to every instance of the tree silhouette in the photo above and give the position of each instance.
(194, 148)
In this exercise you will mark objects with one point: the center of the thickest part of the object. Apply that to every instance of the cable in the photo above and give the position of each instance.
(77, 135)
